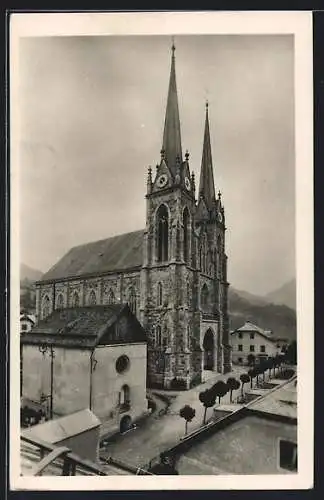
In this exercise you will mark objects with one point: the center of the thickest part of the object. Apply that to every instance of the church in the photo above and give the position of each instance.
(172, 274)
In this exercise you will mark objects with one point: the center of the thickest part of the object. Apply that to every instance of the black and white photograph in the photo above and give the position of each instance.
(161, 250)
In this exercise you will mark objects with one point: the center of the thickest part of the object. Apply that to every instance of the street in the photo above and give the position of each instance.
(156, 433)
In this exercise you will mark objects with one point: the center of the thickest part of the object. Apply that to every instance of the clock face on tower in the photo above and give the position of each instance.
(162, 180)
(187, 184)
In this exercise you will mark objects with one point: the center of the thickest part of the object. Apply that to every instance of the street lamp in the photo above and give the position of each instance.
(43, 349)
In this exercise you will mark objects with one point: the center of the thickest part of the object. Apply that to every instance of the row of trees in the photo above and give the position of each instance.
(209, 396)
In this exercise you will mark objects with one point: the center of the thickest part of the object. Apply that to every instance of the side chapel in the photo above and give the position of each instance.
(172, 274)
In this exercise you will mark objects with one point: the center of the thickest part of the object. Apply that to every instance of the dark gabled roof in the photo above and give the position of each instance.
(87, 327)
(250, 327)
(120, 252)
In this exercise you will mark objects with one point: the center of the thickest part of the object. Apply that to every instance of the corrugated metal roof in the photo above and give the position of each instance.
(55, 431)
(120, 252)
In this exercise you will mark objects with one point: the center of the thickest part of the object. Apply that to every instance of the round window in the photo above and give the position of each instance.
(122, 364)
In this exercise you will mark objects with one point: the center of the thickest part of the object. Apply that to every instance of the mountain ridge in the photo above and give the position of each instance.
(284, 295)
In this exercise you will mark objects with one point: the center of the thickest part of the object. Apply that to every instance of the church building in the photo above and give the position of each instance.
(172, 274)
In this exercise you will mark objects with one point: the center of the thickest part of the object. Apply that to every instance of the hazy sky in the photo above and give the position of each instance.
(92, 114)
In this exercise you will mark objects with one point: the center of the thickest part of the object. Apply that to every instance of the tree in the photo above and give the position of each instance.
(291, 354)
(207, 398)
(251, 360)
(220, 389)
(257, 371)
(245, 379)
(188, 413)
(270, 365)
(263, 367)
(233, 384)
(278, 362)
(252, 374)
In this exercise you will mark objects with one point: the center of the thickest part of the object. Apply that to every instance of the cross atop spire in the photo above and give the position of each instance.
(172, 135)
(206, 184)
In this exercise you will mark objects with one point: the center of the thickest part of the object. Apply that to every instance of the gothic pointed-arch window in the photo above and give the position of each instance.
(201, 257)
(204, 296)
(188, 294)
(186, 222)
(162, 234)
(60, 301)
(132, 300)
(111, 297)
(92, 299)
(159, 294)
(188, 337)
(158, 335)
(75, 300)
(46, 307)
(219, 243)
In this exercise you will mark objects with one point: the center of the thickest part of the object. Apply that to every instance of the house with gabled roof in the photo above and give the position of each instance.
(251, 340)
(90, 357)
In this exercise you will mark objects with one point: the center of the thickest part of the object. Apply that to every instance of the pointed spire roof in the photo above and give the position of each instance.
(206, 184)
(171, 135)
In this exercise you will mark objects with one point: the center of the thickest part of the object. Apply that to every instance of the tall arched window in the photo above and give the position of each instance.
(201, 257)
(60, 301)
(92, 299)
(204, 296)
(75, 300)
(188, 337)
(186, 222)
(124, 397)
(46, 307)
(132, 300)
(111, 297)
(158, 336)
(162, 234)
(159, 294)
(219, 243)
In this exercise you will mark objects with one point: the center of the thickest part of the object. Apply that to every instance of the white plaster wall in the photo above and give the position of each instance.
(246, 341)
(71, 380)
(107, 382)
(71, 377)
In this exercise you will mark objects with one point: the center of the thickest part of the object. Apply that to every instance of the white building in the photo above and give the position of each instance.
(27, 321)
(250, 339)
(89, 357)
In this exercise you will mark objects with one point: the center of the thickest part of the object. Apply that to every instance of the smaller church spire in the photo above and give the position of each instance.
(206, 184)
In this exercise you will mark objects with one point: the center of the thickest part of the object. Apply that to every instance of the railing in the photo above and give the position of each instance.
(124, 407)
(62, 457)
(137, 471)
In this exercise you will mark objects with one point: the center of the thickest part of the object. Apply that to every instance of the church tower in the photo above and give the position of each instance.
(183, 278)
(212, 263)
(169, 264)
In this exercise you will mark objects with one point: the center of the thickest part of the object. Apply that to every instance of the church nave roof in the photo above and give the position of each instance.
(120, 252)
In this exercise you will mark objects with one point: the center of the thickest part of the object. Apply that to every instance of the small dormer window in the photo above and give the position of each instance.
(251, 335)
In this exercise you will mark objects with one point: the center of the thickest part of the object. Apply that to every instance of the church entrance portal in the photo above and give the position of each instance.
(209, 347)
(125, 424)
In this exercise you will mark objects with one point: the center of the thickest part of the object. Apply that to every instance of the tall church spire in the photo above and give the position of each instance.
(171, 136)
(206, 184)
